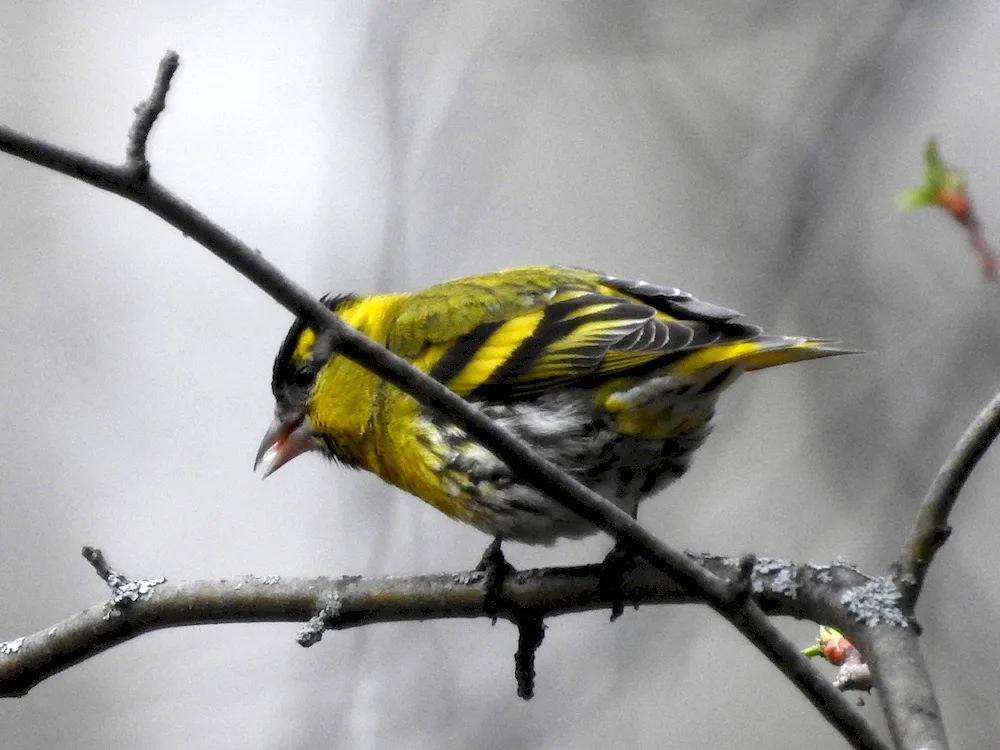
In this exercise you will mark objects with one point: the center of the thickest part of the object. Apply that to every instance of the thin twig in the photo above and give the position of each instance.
(145, 116)
(930, 529)
(97, 560)
(356, 346)
(123, 591)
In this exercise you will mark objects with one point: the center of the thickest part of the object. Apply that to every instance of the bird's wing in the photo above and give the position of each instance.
(517, 333)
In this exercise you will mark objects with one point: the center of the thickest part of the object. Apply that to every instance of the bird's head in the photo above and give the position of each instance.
(313, 395)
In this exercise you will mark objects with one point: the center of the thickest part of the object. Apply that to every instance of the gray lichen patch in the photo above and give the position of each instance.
(778, 575)
(124, 594)
(11, 647)
(875, 602)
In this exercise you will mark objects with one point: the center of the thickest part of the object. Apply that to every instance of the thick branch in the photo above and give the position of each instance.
(903, 683)
(781, 588)
(930, 530)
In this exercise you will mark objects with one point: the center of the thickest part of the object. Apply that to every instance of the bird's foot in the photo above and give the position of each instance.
(616, 565)
(495, 569)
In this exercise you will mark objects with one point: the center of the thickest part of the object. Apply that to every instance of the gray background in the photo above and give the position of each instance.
(749, 152)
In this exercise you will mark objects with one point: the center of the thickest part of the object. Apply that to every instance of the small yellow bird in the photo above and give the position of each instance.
(613, 381)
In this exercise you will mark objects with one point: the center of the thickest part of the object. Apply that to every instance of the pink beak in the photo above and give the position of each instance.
(284, 440)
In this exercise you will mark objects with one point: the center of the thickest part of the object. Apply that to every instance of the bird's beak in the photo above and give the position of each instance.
(285, 439)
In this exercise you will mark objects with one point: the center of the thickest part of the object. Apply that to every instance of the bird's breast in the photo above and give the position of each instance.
(625, 443)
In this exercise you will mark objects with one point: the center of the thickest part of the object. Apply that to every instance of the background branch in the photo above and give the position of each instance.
(900, 675)
(930, 529)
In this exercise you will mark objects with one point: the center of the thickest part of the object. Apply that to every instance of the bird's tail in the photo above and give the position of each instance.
(761, 352)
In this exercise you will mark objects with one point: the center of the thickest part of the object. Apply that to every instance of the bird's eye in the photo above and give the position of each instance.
(303, 377)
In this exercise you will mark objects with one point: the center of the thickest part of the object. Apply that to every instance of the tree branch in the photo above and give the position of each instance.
(893, 652)
(931, 529)
(780, 588)
(137, 185)
(904, 687)
(145, 116)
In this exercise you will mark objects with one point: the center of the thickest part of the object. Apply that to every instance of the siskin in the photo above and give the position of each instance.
(613, 381)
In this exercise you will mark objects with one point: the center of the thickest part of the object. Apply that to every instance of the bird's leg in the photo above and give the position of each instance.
(616, 565)
(620, 561)
(495, 569)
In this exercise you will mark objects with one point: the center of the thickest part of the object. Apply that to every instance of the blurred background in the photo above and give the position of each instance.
(749, 152)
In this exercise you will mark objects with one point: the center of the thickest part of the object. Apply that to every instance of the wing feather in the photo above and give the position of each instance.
(516, 333)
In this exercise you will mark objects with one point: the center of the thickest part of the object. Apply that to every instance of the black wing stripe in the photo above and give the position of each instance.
(462, 352)
(552, 327)
(619, 308)
(527, 353)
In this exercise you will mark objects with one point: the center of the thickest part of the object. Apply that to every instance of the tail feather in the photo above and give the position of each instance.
(759, 353)
(781, 350)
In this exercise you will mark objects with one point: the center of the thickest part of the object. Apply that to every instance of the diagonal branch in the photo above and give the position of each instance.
(140, 187)
(351, 343)
(931, 529)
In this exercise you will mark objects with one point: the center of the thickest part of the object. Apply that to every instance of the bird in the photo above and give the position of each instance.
(613, 381)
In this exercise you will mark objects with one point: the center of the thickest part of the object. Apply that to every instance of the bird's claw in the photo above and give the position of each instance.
(495, 569)
(618, 562)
